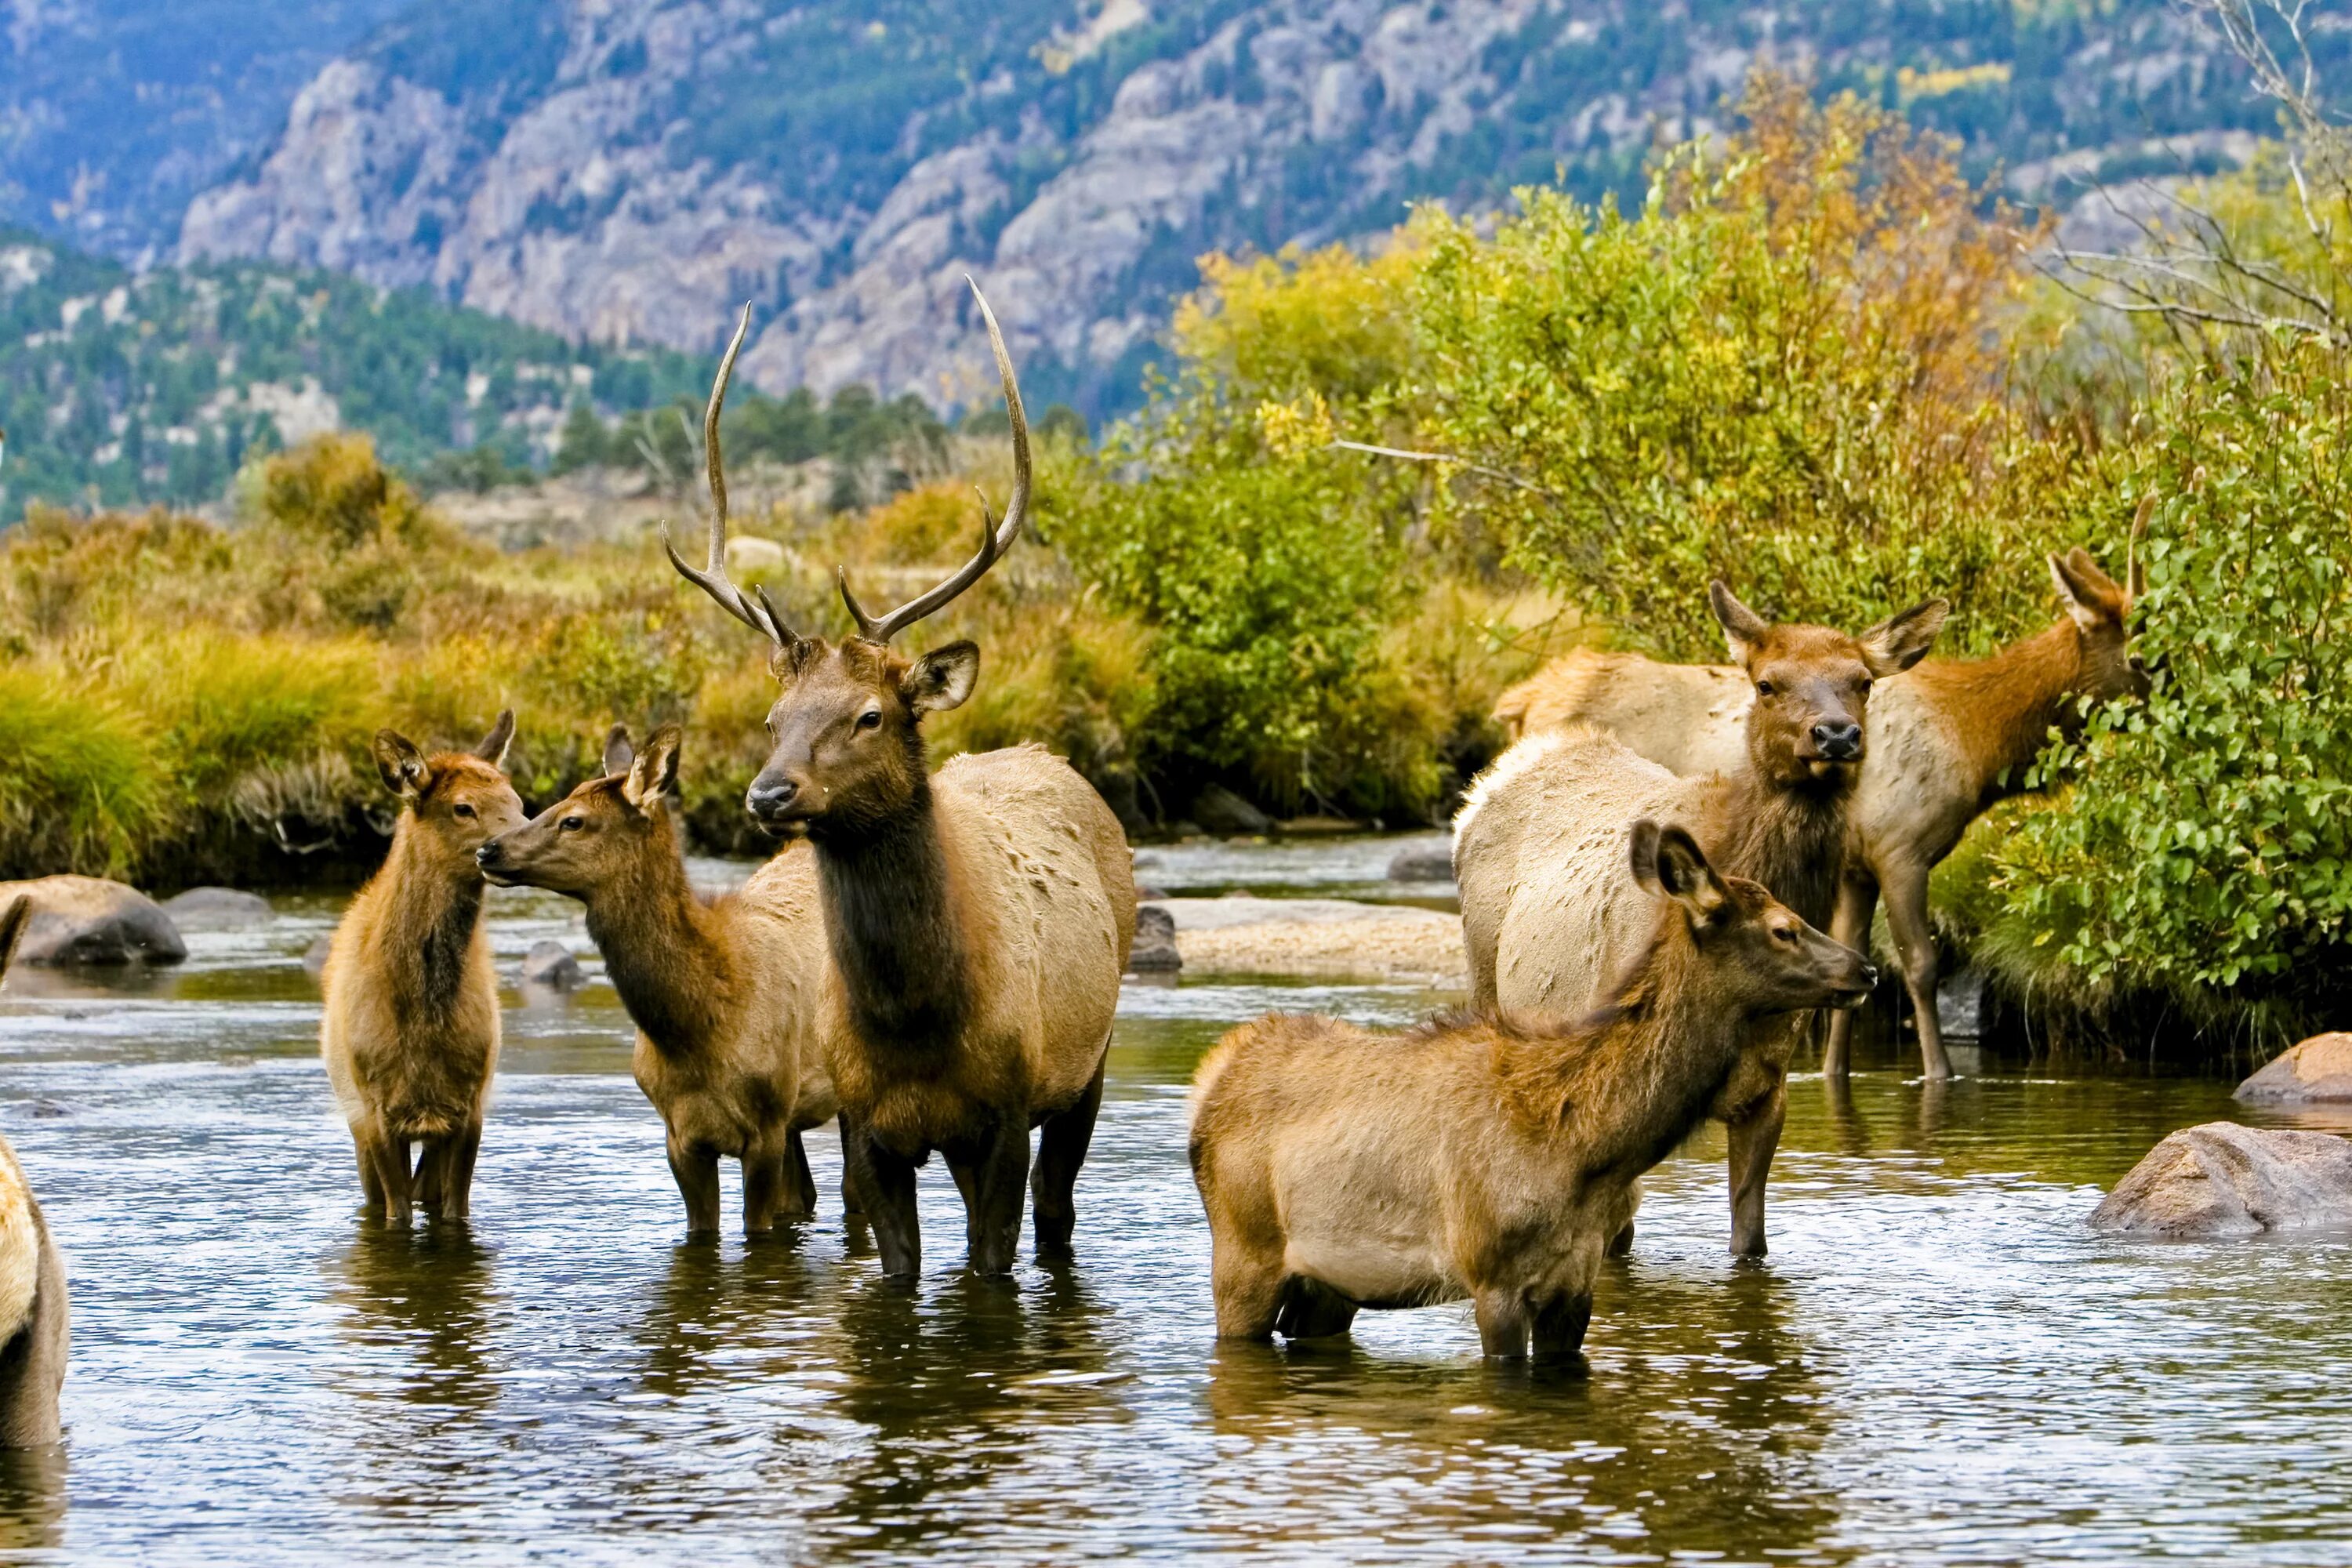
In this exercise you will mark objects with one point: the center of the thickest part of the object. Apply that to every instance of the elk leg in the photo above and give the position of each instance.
(390, 1156)
(886, 1183)
(1061, 1149)
(993, 1176)
(371, 1193)
(696, 1173)
(1248, 1288)
(853, 1202)
(1311, 1309)
(458, 1155)
(763, 1179)
(1753, 1139)
(1502, 1324)
(1559, 1325)
(804, 1181)
(1857, 899)
(1915, 945)
(428, 1189)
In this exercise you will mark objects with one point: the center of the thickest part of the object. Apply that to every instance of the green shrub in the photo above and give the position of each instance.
(79, 784)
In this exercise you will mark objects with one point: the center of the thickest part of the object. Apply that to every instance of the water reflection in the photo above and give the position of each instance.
(426, 1296)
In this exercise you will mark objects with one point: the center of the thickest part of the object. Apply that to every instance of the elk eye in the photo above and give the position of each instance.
(1763, 689)
(462, 809)
(870, 719)
(571, 823)
(1785, 933)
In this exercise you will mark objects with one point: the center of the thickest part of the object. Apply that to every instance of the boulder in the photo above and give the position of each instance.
(2222, 1179)
(1220, 811)
(218, 909)
(1422, 863)
(1155, 942)
(2316, 1072)
(314, 958)
(550, 964)
(88, 919)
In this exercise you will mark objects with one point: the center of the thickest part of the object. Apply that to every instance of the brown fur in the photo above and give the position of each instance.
(1947, 740)
(34, 1333)
(726, 993)
(410, 1025)
(978, 924)
(1487, 1155)
(1550, 916)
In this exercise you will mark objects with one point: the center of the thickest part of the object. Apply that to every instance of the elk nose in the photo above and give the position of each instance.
(1838, 741)
(1870, 977)
(772, 797)
(489, 855)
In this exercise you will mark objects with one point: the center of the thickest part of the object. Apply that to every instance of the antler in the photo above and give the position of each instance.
(713, 579)
(2135, 574)
(994, 538)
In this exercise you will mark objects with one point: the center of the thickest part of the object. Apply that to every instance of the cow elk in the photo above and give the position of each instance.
(33, 1329)
(1549, 915)
(977, 921)
(1946, 740)
(724, 992)
(410, 1027)
(1489, 1155)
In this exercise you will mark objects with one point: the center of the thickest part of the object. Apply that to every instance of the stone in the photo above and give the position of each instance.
(550, 964)
(88, 919)
(218, 909)
(1964, 1004)
(1155, 942)
(2222, 1179)
(1422, 863)
(2316, 1072)
(314, 958)
(1220, 811)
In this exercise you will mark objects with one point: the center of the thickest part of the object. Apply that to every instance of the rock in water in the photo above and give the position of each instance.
(2316, 1072)
(88, 919)
(1220, 811)
(1422, 863)
(315, 958)
(2222, 1179)
(1155, 942)
(550, 964)
(218, 909)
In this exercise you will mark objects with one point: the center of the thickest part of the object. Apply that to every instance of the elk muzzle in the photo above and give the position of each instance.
(1838, 741)
(777, 799)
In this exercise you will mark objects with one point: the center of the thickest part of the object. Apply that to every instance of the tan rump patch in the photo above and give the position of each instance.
(20, 1245)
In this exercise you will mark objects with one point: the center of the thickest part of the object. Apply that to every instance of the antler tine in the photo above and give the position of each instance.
(996, 538)
(713, 579)
(2135, 574)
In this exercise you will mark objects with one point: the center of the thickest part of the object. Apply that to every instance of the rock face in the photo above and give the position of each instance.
(87, 920)
(2221, 1179)
(218, 909)
(1155, 942)
(2316, 1072)
(550, 964)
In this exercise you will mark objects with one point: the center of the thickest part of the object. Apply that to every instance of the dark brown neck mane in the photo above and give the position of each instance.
(1791, 837)
(891, 922)
(433, 904)
(662, 947)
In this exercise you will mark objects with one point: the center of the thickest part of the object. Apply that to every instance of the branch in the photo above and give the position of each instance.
(1461, 463)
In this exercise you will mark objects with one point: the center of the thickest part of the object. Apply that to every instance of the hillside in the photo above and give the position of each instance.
(627, 170)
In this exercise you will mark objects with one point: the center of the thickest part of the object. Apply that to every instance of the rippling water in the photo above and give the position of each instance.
(1939, 1363)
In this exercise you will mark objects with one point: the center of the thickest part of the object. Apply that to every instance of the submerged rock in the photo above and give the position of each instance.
(314, 958)
(2222, 1179)
(550, 964)
(88, 919)
(2316, 1072)
(218, 909)
(1155, 942)
(1422, 863)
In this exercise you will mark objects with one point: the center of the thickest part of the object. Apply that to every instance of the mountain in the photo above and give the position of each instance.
(630, 170)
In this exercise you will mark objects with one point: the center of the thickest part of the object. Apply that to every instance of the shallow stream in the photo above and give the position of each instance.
(1938, 1364)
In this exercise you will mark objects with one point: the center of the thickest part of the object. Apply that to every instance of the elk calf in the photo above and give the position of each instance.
(724, 993)
(1489, 1157)
(410, 1028)
(33, 1334)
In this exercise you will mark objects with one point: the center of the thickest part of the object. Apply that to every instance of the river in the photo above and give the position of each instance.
(1939, 1363)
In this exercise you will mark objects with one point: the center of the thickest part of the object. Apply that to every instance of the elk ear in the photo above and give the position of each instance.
(493, 749)
(405, 772)
(13, 922)
(654, 773)
(618, 753)
(1669, 864)
(1897, 643)
(1742, 627)
(941, 678)
(2090, 595)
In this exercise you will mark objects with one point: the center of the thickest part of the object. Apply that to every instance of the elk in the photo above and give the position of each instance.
(32, 1328)
(977, 921)
(1486, 1154)
(410, 1024)
(723, 991)
(1946, 740)
(1550, 916)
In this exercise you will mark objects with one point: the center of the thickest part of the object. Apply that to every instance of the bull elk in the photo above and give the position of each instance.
(1549, 915)
(32, 1328)
(410, 1024)
(723, 991)
(1946, 740)
(977, 921)
(1489, 1155)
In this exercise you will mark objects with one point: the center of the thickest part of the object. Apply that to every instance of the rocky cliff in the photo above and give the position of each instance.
(629, 170)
